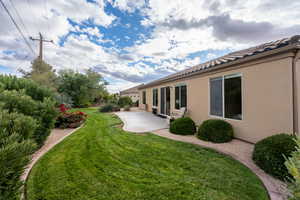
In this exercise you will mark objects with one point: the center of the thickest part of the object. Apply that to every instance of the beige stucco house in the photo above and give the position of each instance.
(257, 90)
(133, 93)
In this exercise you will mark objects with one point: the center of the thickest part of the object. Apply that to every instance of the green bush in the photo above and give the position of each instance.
(109, 108)
(293, 166)
(14, 156)
(32, 89)
(125, 101)
(42, 111)
(70, 119)
(269, 154)
(127, 108)
(215, 130)
(24, 126)
(183, 126)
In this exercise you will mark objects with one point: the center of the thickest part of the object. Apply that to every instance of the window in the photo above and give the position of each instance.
(180, 96)
(155, 97)
(144, 97)
(226, 96)
(216, 96)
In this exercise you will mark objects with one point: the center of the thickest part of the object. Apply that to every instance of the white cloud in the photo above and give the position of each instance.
(180, 28)
(127, 5)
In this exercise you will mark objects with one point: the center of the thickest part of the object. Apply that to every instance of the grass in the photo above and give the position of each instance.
(102, 162)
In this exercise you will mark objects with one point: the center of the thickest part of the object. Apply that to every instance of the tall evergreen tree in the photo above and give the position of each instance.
(42, 73)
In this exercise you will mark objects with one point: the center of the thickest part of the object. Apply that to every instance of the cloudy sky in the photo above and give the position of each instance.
(135, 41)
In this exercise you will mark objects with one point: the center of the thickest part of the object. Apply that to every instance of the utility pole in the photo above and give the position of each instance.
(41, 40)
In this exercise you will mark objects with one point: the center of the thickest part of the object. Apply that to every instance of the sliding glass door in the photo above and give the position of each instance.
(165, 101)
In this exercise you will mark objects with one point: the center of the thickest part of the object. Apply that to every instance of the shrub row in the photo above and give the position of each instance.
(109, 108)
(213, 130)
(42, 111)
(27, 114)
(269, 154)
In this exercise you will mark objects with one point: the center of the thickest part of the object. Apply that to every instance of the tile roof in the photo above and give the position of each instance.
(295, 40)
(131, 90)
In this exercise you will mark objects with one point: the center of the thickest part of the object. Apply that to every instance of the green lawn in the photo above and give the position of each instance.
(100, 161)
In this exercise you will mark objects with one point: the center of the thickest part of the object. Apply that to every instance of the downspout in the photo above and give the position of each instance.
(295, 92)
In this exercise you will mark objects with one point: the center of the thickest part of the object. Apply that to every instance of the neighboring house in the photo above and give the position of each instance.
(133, 93)
(256, 90)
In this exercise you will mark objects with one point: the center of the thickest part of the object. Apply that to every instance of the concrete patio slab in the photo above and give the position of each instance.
(141, 122)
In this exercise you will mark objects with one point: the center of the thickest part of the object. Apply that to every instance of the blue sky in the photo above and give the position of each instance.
(134, 42)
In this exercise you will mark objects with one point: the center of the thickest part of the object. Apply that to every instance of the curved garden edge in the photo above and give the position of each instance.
(56, 136)
(276, 189)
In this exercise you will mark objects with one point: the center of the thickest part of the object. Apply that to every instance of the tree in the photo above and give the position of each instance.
(82, 88)
(42, 73)
(125, 101)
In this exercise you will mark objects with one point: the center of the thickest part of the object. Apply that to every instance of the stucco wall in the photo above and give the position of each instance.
(266, 93)
(297, 94)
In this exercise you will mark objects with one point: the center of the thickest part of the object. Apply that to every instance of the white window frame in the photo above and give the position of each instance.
(223, 96)
(179, 85)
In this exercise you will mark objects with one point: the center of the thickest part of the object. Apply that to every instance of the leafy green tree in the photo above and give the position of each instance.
(125, 101)
(82, 88)
(42, 73)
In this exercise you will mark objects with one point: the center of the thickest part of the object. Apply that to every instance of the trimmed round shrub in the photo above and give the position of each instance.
(109, 108)
(269, 154)
(215, 130)
(183, 126)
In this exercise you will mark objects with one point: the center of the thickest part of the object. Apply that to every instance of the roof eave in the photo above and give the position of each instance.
(225, 65)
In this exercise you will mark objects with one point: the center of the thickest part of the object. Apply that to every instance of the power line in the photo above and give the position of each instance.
(20, 18)
(18, 28)
(46, 14)
(33, 13)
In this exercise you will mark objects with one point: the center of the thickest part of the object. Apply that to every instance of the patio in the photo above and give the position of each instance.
(141, 122)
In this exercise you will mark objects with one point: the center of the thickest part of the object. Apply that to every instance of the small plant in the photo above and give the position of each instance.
(109, 108)
(293, 166)
(183, 126)
(215, 130)
(269, 154)
(70, 120)
(127, 108)
(62, 108)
